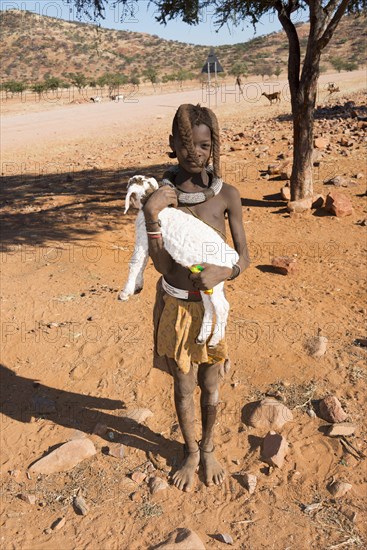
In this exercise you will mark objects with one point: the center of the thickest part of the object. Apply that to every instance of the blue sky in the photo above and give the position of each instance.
(142, 20)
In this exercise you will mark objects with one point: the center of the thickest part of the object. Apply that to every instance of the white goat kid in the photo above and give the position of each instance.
(189, 241)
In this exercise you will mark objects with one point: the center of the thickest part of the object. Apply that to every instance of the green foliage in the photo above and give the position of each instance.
(134, 80)
(239, 69)
(38, 88)
(340, 64)
(150, 74)
(13, 86)
(78, 80)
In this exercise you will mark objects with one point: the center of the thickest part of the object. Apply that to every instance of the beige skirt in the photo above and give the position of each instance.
(176, 326)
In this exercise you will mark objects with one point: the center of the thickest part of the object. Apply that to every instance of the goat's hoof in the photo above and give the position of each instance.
(123, 297)
(138, 290)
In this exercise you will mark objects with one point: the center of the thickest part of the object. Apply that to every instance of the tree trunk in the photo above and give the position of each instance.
(303, 107)
(303, 121)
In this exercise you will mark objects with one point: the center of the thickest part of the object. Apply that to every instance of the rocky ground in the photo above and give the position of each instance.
(76, 379)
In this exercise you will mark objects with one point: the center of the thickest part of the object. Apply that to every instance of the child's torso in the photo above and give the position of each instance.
(211, 212)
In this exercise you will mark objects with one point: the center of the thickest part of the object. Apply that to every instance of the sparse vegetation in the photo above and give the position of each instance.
(126, 52)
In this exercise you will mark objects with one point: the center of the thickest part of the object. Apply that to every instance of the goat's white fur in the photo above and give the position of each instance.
(189, 241)
(117, 98)
(96, 99)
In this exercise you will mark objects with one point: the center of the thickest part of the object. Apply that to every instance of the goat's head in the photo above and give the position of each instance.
(138, 188)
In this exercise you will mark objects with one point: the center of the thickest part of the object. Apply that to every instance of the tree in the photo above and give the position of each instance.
(324, 16)
(151, 75)
(277, 71)
(39, 88)
(239, 69)
(78, 80)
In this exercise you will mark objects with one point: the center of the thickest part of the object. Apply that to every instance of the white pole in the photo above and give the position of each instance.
(209, 82)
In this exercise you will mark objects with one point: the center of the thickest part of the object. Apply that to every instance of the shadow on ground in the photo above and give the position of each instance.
(65, 206)
(338, 110)
(23, 399)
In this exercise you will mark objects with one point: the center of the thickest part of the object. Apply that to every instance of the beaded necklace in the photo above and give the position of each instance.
(194, 198)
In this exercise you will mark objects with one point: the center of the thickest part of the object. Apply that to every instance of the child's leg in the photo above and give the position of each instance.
(184, 386)
(208, 378)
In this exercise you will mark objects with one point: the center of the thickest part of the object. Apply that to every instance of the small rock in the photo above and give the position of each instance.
(111, 436)
(286, 265)
(29, 499)
(317, 346)
(65, 457)
(344, 428)
(300, 206)
(285, 171)
(358, 176)
(344, 142)
(339, 488)
(15, 473)
(250, 482)
(138, 477)
(317, 157)
(139, 415)
(274, 449)
(321, 142)
(116, 450)
(273, 169)
(338, 181)
(318, 201)
(270, 414)
(286, 193)
(58, 524)
(339, 204)
(224, 537)
(181, 539)
(80, 505)
(331, 410)
(157, 484)
(100, 429)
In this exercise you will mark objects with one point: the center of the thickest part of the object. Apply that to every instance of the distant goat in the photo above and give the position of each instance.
(116, 98)
(272, 97)
(332, 89)
(96, 99)
(189, 241)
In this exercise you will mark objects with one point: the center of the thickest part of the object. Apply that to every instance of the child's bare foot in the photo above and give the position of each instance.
(213, 471)
(183, 479)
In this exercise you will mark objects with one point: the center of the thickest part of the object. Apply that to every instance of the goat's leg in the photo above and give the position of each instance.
(221, 310)
(134, 282)
(207, 323)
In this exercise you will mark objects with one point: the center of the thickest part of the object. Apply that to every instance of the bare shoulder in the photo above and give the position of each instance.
(231, 195)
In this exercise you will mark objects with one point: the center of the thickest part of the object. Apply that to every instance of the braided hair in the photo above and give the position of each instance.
(186, 117)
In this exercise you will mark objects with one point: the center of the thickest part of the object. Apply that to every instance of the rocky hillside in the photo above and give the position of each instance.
(34, 46)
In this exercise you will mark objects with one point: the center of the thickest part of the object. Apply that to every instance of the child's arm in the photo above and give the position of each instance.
(163, 197)
(234, 210)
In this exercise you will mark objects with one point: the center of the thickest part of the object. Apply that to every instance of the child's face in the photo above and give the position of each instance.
(202, 142)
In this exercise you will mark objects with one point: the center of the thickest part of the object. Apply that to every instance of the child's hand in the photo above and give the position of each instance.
(163, 197)
(210, 276)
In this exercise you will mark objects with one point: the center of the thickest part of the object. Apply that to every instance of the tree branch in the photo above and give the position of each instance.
(330, 29)
(294, 59)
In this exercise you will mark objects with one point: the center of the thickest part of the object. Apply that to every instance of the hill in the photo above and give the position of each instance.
(34, 47)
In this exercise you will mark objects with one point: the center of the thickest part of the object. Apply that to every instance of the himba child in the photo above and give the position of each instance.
(195, 187)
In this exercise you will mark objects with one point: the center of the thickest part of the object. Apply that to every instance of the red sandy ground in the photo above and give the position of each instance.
(66, 247)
